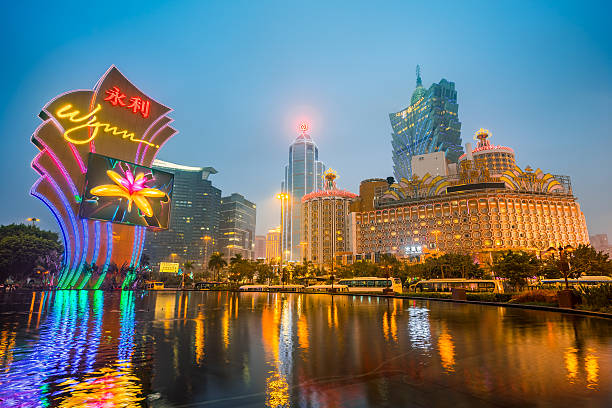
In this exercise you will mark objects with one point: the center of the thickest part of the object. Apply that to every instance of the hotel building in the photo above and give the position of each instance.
(326, 222)
(303, 175)
(273, 245)
(430, 124)
(194, 215)
(490, 205)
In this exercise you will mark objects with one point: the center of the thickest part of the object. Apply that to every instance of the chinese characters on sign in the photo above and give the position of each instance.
(136, 104)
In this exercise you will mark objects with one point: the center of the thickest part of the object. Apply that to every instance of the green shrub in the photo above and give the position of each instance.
(596, 297)
(539, 296)
(489, 297)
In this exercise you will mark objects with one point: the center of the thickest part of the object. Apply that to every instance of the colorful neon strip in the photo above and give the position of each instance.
(83, 253)
(60, 221)
(109, 252)
(73, 222)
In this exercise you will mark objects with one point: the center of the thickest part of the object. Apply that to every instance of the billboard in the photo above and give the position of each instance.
(169, 267)
(126, 193)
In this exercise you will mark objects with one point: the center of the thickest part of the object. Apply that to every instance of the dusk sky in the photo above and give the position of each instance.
(240, 76)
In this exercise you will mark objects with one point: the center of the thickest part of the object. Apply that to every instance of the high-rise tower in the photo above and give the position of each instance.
(303, 175)
(429, 124)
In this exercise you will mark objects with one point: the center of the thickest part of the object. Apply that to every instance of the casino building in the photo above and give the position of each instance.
(490, 205)
(326, 222)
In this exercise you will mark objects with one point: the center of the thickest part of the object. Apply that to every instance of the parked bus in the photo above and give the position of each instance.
(286, 288)
(208, 285)
(327, 288)
(587, 280)
(446, 285)
(371, 284)
(253, 288)
(149, 285)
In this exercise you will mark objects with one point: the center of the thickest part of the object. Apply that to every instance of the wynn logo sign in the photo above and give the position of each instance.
(122, 129)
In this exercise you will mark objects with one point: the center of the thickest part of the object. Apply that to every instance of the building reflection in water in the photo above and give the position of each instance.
(94, 348)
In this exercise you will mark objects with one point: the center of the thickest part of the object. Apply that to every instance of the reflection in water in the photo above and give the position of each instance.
(447, 349)
(90, 348)
(418, 326)
(592, 368)
(571, 364)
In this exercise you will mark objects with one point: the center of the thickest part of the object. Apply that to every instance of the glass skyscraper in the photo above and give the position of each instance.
(303, 175)
(429, 124)
(237, 226)
(194, 214)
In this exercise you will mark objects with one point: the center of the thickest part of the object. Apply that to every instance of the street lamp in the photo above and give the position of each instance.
(206, 239)
(563, 263)
(283, 197)
(33, 220)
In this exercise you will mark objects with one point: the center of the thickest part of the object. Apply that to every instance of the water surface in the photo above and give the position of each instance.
(220, 349)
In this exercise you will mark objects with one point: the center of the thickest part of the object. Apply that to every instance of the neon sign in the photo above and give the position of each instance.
(117, 121)
(90, 121)
(116, 98)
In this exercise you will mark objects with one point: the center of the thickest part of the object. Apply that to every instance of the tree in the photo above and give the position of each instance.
(452, 266)
(21, 246)
(264, 272)
(585, 260)
(187, 268)
(236, 259)
(216, 263)
(516, 267)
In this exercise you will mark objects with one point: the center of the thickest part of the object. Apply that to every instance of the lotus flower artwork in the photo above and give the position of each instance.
(132, 188)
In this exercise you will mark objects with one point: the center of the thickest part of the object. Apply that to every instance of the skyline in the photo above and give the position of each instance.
(258, 96)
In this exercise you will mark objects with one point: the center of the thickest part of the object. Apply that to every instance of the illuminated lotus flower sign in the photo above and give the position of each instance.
(87, 136)
(132, 188)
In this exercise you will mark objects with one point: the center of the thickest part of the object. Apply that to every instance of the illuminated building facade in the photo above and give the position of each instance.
(260, 247)
(303, 175)
(273, 245)
(326, 222)
(428, 125)
(118, 121)
(237, 226)
(194, 215)
(477, 212)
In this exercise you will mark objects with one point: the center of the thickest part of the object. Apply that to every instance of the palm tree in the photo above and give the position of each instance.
(236, 259)
(216, 263)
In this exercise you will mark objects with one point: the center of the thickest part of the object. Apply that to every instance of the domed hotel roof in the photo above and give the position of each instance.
(330, 189)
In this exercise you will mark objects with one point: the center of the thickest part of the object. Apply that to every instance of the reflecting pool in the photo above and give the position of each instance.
(220, 349)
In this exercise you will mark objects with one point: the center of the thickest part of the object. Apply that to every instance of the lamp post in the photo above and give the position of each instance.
(33, 220)
(283, 197)
(563, 263)
(206, 239)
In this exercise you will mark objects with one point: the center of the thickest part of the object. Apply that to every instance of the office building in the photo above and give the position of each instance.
(429, 124)
(303, 175)
(273, 245)
(326, 223)
(260, 247)
(194, 215)
(237, 226)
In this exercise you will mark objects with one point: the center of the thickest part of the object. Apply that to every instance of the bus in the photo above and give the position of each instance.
(447, 285)
(327, 288)
(587, 280)
(149, 285)
(372, 284)
(253, 288)
(208, 285)
(286, 288)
